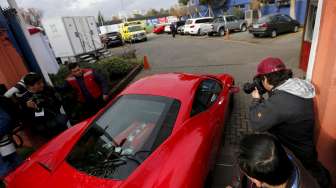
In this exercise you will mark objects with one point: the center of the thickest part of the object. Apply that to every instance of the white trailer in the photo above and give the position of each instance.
(72, 37)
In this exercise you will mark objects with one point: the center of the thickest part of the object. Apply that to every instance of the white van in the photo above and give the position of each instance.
(198, 26)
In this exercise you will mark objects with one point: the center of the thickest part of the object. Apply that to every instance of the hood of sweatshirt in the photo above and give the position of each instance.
(298, 87)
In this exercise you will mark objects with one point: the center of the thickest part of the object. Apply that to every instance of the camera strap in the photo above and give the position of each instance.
(40, 113)
(6, 146)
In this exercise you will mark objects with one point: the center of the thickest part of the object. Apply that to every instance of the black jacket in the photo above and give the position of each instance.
(290, 117)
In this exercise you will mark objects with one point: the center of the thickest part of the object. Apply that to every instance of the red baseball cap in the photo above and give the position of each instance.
(269, 65)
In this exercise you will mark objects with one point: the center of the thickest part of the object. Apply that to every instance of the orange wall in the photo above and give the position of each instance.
(324, 77)
(12, 67)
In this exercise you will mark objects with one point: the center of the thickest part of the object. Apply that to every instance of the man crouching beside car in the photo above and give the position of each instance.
(287, 113)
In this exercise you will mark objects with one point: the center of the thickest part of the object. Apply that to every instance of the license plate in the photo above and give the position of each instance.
(255, 26)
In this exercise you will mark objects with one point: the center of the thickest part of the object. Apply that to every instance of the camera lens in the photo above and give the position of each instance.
(249, 87)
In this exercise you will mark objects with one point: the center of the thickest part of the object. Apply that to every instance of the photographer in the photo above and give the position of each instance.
(42, 108)
(288, 113)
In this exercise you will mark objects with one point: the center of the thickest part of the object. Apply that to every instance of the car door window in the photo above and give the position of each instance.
(287, 18)
(219, 20)
(209, 20)
(200, 21)
(229, 19)
(206, 94)
(283, 19)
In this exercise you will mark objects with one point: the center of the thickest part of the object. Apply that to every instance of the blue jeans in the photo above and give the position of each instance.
(8, 163)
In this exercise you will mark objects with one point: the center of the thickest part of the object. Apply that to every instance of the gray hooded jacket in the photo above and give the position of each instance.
(288, 114)
(298, 87)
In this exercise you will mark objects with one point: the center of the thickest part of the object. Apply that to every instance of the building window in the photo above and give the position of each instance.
(282, 3)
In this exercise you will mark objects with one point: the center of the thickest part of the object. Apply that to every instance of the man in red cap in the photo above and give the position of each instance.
(288, 114)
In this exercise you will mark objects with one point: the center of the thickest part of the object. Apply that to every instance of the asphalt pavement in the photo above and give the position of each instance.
(237, 55)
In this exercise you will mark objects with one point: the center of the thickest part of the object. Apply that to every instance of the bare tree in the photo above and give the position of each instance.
(101, 20)
(32, 16)
(179, 11)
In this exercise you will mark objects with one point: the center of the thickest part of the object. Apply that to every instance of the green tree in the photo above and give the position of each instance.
(101, 20)
(183, 2)
(152, 13)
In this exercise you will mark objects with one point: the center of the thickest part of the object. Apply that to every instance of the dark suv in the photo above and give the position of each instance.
(112, 39)
(272, 25)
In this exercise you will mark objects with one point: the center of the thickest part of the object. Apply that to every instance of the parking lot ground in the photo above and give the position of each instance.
(237, 56)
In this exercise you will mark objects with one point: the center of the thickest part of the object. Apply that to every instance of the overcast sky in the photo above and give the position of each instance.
(52, 8)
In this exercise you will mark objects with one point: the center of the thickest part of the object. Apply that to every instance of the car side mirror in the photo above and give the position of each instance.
(234, 90)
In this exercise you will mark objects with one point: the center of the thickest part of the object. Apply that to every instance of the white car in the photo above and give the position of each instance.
(198, 26)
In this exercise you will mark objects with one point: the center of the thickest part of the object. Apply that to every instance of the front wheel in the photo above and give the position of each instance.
(295, 29)
(274, 34)
(243, 28)
(221, 32)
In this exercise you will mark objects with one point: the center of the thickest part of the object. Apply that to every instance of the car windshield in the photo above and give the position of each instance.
(124, 136)
(188, 22)
(218, 20)
(135, 28)
(264, 19)
(112, 34)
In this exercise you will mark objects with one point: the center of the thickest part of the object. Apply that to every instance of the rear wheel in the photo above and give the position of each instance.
(295, 29)
(274, 33)
(221, 32)
(243, 28)
(199, 32)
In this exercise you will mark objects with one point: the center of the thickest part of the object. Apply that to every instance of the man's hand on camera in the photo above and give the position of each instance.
(31, 104)
(255, 94)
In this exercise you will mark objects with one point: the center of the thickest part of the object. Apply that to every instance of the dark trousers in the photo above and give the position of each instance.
(173, 33)
(319, 172)
(91, 107)
(50, 125)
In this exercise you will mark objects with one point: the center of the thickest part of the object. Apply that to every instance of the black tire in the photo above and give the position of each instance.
(210, 34)
(274, 33)
(243, 28)
(221, 32)
(199, 32)
(255, 35)
(209, 179)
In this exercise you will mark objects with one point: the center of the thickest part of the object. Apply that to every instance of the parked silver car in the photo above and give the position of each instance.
(227, 22)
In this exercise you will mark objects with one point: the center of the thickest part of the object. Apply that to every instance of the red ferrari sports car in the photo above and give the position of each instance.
(161, 131)
(159, 29)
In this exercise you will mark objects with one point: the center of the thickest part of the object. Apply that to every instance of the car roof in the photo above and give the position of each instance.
(200, 18)
(179, 86)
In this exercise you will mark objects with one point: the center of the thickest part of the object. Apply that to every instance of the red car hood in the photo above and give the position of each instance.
(155, 171)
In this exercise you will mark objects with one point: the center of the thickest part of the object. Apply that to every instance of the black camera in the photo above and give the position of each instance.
(257, 83)
(38, 100)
